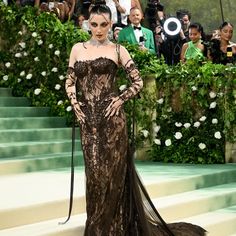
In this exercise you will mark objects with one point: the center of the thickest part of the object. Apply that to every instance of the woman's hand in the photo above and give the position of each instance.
(78, 112)
(114, 107)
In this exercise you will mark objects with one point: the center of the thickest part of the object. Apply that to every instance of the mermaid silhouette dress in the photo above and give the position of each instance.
(117, 203)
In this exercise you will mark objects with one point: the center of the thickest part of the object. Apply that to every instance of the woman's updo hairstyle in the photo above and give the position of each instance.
(100, 7)
(225, 24)
(199, 28)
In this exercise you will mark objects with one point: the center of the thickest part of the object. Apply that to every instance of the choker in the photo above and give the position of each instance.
(99, 43)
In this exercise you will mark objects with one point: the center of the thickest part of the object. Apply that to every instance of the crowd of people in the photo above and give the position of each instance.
(189, 42)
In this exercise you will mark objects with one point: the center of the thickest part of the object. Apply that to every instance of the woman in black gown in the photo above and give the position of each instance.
(222, 50)
(117, 203)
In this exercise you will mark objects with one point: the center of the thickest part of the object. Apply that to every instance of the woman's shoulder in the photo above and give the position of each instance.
(77, 46)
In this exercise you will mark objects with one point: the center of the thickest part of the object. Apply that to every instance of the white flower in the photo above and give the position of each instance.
(20, 33)
(54, 69)
(5, 77)
(178, 135)
(61, 77)
(22, 44)
(18, 55)
(145, 133)
(59, 102)
(157, 141)
(212, 94)
(50, 46)
(156, 128)
(57, 86)
(69, 108)
(187, 125)
(43, 73)
(40, 42)
(29, 76)
(36, 59)
(168, 142)
(37, 91)
(8, 64)
(57, 52)
(18, 80)
(194, 88)
(34, 34)
(22, 73)
(178, 124)
(25, 54)
(220, 94)
(197, 124)
(202, 146)
(169, 109)
(214, 121)
(160, 101)
(217, 135)
(122, 87)
(203, 118)
(212, 105)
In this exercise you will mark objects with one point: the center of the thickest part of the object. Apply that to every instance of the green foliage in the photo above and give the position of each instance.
(34, 59)
(34, 56)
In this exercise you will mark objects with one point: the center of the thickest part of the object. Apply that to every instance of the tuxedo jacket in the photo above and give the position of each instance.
(127, 35)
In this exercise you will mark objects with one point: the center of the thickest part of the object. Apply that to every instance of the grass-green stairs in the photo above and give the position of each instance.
(31, 139)
(34, 192)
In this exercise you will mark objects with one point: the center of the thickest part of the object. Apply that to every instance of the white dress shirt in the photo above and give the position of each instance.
(125, 4)
(138, 33)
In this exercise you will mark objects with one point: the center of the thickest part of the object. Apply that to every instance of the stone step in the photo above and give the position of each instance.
(13, 101)
(217, 223)
(5, 92)
(208, 199)
(38, 162)
(45, 195)
(23, 135)
(221, 222)
(23, 111)
(17, 149)
(31, 122)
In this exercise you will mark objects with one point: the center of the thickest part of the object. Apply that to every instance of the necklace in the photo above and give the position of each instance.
(97, 43)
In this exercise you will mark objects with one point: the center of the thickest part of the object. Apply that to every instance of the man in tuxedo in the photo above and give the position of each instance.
(137, 34)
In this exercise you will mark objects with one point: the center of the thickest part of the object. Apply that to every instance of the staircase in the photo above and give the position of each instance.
(30, 139)
(34, 183)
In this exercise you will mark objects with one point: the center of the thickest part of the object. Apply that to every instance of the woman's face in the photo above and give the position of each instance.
(226, 33)
(99, 25)
(194, 35)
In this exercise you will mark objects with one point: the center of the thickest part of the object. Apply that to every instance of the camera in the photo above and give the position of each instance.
(153, 6)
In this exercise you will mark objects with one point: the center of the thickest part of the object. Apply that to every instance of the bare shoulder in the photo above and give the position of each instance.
(76, 47)
(123, 50)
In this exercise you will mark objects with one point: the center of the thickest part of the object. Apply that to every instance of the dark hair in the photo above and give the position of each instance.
(225, 24)
(182, 12)
(199, 28)
(100, 9)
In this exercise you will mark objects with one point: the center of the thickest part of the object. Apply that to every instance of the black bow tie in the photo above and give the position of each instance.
(137, 28)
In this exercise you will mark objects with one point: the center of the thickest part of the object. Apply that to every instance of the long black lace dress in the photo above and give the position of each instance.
(117, 203)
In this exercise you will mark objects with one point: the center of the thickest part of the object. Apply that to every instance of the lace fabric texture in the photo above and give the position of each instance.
(117, 204)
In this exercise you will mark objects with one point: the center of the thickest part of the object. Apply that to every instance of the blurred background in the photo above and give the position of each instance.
(208, 13)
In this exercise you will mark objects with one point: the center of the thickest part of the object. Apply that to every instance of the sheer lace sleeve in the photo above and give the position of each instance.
(133, 74)
(70, 85)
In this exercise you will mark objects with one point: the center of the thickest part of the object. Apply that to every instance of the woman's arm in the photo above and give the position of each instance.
(70, 85)
(182, 54)
(133, 74)
(132, 90)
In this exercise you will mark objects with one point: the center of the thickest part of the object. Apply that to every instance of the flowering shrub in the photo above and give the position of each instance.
(185, 116)
(34, 56)
(195, 112)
